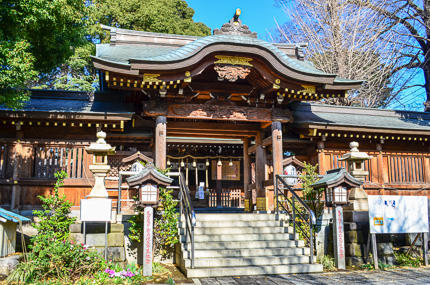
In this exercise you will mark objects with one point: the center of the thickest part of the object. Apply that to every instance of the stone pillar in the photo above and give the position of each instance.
(160, 142)
(246, 180)
(259, 174)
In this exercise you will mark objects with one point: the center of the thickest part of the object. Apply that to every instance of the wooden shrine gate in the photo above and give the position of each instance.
(243, 131)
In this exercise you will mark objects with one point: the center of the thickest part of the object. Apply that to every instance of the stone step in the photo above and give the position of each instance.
(239, 230)
(234, 224)
(247, 237)
(241, 252)
(244, 244)
(235, 217)
(247, 261)
(252, 270)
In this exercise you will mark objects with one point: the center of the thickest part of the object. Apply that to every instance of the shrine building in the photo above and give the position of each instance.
(229, 111)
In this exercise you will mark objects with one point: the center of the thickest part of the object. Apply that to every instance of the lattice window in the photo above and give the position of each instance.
(50, 159)
(405, 169)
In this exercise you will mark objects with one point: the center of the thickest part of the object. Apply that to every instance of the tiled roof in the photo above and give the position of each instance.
(320, 114)
(57, 101)
(158, 53)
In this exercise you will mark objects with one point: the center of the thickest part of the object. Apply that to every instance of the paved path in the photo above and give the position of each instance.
(395, 276)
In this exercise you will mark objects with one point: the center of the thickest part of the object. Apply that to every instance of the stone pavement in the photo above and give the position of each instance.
(395, 276)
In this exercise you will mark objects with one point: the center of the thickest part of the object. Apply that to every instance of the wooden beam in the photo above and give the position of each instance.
(322, 129)
(197, 135)
(210, 126)
(221, 87)
(252, 149)
(267, 141)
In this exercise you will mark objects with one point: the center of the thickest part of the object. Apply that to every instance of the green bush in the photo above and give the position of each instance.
(328, 263)
(54, 219)
(165, 225)
(52, 255)
(404, 259)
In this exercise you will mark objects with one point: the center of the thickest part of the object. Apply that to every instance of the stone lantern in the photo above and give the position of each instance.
(337, 183)
(356, 216)
(100, 150)
(148, 181)
(356, 160)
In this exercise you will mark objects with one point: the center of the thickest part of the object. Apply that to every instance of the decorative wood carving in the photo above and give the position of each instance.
(231, 72)
(215, 112)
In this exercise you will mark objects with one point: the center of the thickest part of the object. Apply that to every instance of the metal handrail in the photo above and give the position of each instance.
(309, 215)
(186, 209)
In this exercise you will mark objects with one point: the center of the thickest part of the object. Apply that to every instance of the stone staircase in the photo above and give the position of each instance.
(243, 244)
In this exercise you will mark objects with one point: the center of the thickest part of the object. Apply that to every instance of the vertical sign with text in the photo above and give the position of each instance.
(147, 241)
(339, 241)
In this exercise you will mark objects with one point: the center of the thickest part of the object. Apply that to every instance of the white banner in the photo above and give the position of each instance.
(398, 214)
(96, 210)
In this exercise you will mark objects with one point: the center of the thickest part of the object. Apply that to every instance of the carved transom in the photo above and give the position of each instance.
(231, 72)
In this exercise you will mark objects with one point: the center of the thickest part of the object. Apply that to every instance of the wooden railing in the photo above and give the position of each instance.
(50, 159)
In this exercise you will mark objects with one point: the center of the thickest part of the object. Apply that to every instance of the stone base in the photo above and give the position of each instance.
(8, 264)
(356, 216)
(95, 238)
(116, 254)
(354, 261)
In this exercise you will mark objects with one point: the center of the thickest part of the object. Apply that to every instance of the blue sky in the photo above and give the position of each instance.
(257, 14)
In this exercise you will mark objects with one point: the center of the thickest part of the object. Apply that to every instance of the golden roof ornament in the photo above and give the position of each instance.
(235, 27)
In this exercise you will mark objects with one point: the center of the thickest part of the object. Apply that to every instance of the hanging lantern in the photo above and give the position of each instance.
(219, 162)
(194, 163)
(168, 162)
(230, 163)
(207, 162)
(182, 163)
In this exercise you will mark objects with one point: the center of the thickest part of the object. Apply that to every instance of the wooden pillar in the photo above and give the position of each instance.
(380, 163)
(218, 183)
(426, 166)
(321, 157)
(260, 173)
(246, 180)
(278, 155)
(17, 158)
(160, 142)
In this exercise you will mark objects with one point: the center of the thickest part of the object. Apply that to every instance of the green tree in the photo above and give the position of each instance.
(161, 16)
(36, 36)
